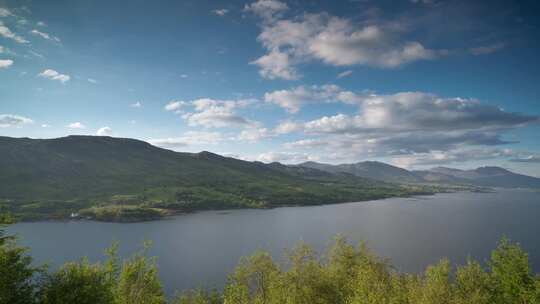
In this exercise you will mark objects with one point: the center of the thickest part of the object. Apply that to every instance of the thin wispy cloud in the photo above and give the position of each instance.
(7, 33)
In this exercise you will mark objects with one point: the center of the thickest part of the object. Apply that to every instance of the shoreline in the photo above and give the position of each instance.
(176, 213)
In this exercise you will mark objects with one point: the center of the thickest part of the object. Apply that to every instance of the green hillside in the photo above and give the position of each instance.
(125, 179)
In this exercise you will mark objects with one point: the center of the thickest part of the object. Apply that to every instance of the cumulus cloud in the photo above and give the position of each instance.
(293, 99)
(268, 10)
(137, 104)
(5, 63)
(276, 64)
(54, 75)
(212, 113)
(104, 131)
(7, 33)
(76, 125)
(10, 120)
(412, 127)
(417, 111)
(45, 35)
(220, 12)
(333, 40)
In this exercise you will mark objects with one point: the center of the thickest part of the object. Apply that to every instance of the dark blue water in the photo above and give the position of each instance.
(201, 249)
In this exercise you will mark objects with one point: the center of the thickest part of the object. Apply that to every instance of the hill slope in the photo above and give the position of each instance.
(369, 169)
(53, 177)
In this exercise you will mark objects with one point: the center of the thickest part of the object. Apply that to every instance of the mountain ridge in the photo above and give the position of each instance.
(60, 176)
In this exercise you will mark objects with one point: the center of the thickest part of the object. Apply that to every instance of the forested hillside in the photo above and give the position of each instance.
(125, 179)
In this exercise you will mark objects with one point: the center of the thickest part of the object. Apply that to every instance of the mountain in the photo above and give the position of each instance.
(490, 177)
(480, 177)
(55, 177)
(369, 169)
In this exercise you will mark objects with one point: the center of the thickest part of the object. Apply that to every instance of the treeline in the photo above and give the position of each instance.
(344, 274)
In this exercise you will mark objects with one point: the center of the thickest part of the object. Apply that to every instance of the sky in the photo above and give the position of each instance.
(414, 83)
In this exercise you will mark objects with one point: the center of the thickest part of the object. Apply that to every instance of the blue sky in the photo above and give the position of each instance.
(413, 83)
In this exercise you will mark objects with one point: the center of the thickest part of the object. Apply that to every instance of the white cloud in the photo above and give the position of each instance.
(45, 126)
(255, 134)
(45, 35)
(268, 10)
(54, 75)
(292, 100)
(411, 127)
(10, 120)
(220, 12)
(417, 111)
(41, 23)
(276, 64)
(76, 125)
(7, 33)
(456, 156)
(212, 113)
(288, 127)
(4, 12)
(104, 131)
(285, 157)
(215, 114)
(175, 106)
(190, 138)
(137, 104)
(92, 80)
(332, 40)
(5, 63)
(345, 74)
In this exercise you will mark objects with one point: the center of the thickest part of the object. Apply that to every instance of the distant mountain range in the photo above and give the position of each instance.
(117, 178)
(483, 176)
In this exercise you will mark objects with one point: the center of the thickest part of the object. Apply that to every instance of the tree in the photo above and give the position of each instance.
(17, 276)
(511, 276)
(138, 282)
(81, 283)
(472, 284)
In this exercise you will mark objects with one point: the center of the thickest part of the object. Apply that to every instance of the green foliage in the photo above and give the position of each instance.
(345, 274)
(81, 282)
(138, 282)
(198, 297)
(17, 276)
(511, 276)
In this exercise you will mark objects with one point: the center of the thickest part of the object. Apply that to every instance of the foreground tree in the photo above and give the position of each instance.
(138, 282)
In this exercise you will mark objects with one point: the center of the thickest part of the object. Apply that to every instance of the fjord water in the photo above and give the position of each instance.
(200, 249)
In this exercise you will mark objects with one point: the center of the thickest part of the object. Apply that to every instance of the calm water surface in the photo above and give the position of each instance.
(200, 249)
